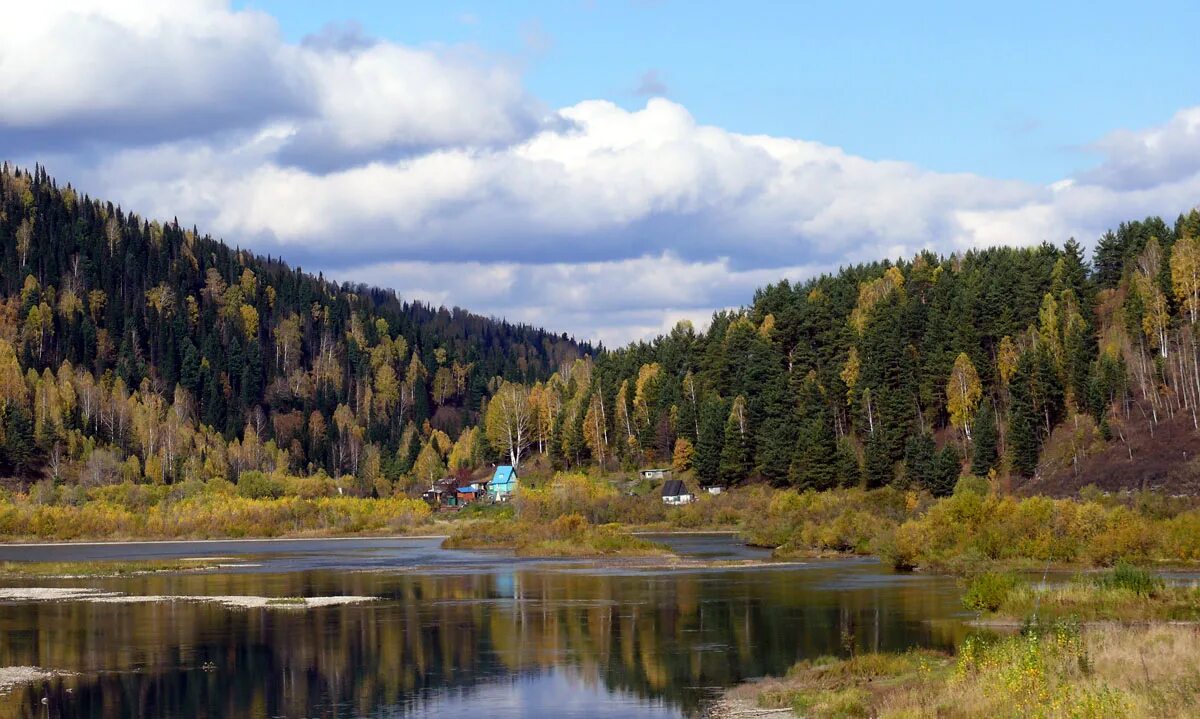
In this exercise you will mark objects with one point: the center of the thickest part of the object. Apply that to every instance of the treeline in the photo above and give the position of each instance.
(132, 350)
(915, 371)
(135, 349)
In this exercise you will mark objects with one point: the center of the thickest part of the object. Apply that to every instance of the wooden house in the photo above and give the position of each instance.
(674, 493)
(503, 483)
(455, 493)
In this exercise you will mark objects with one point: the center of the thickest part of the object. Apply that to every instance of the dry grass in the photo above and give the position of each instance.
(1059, 672)
(1088, 602)
(104, 568)
(568, 536)
(1124, 593)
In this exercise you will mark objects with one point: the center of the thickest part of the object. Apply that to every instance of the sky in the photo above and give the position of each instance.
(606, 168)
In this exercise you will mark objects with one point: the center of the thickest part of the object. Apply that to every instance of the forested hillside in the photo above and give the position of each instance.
(140, 350)
(137, 351)
(1019, 362)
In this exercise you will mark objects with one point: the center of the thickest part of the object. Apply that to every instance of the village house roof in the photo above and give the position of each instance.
(674, 488)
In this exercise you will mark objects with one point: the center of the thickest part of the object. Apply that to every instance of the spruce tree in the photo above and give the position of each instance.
(736, 452)
(1024, 438)
(712, 439)
(814, 461)
(983, 437)
(946, 471)
(920, 457)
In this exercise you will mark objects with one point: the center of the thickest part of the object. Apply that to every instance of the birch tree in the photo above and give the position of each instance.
(509, 421)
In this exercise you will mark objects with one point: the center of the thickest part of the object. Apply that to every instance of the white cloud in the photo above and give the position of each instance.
(1137, 160)
(432, 170)
(616, 300)
(138, 72)
(118, 69)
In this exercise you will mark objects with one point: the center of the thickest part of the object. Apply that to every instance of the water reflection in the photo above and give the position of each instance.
(480, 636)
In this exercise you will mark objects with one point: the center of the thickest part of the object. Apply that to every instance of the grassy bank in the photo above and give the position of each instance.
(103, 568)
(216, 510)
(1122, 594)
(907, 528)
(569, 535)
(1057, 671)
(977, 527)
(1116, 643)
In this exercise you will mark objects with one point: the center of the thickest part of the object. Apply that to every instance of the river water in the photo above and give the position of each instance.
(448, 633)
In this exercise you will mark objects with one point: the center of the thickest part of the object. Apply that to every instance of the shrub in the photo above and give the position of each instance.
(973, 484)
(317, 485)
(1128, 577)
(987, 592)
(256, 485)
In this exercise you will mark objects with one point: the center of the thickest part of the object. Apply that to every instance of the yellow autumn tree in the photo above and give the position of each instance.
(429, 467)
(466, 449)
(681, 459)
(1007, 356)
(872, 293)
(595, 429)
(1185, 275)
(12, 382)
(1050, 328)
(963, 392)
(850, 373)
(509, 421)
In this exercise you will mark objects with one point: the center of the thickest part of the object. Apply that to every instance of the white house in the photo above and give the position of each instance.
(674, 492)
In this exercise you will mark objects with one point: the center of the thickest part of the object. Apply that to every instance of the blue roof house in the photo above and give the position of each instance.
(504, 483)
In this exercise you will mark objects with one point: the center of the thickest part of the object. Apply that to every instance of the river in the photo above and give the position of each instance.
(445, 633)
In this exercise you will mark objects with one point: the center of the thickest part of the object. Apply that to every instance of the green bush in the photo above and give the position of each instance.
(987, 592)
(973, 484)
(1134, 579)
(256, 485)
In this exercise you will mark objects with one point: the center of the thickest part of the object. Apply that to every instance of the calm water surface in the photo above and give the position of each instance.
(452, 634)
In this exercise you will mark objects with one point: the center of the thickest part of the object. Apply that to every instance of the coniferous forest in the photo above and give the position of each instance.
(133, 350)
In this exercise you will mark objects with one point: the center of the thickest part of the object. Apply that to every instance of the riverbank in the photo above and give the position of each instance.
(1056, 671)
(977, 526)
(1118, 643)
(111, 568)
(570, 535)
(1124, 594)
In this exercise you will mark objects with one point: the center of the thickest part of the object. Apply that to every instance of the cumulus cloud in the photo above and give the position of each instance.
(130, 72)
(141, 73)
(616, 300)
(612, 184)
(1137, 160)
(432, 170)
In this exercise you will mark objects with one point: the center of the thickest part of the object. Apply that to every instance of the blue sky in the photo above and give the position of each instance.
(609, 168)
(1013, 90)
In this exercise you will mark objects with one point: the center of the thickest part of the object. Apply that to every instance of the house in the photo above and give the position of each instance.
(674, 492)
(443, 494)
(655, 473)
(455, 493)
(503, 484)
(715, 489)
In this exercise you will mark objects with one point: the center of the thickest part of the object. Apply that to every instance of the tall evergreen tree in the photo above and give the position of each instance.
(984, 439)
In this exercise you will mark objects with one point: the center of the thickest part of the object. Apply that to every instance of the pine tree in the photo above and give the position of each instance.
(1024, 439)
(946, 471)
(1109, 260)
(736, 452)
(984, 439)
(814, 461)
(712, 439)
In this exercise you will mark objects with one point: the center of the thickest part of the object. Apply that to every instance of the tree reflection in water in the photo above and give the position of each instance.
(491, 642)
